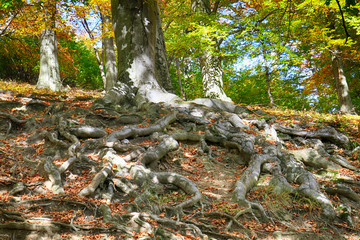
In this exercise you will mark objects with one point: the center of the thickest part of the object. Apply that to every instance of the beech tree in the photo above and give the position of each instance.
(75, 167)
(49, 76)
(99, 10)
(210, 61)
(329, 29)
(142, 70)
(109, 54)
(343, 93)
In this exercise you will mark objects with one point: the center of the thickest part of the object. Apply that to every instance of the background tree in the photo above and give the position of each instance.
(193, 30)
(19, 56)
(19, 49)
(328, 34)
(286, 47)
(109, 52)
(269, 65)
(49, 76)
(94, 17)
(210, 59)
(302, 33)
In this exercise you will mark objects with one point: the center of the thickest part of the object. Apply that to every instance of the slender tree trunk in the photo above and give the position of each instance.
(342, 88)
(268, 86)
(49, 76)
(110, 59)
(179, 79)
(96, 51)
(8, 21)
(210, 62)
(269, 63)
(100, 64)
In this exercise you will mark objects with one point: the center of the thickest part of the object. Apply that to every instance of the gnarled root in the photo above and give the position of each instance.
(248, 180)
(183, 183)
(132, 131)
(309, 187)
(167, 144)
(98, 179)
(51, 171)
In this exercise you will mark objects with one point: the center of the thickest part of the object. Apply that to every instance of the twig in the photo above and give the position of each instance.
(72, 223)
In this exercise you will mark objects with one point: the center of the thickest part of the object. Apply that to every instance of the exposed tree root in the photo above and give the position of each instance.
(166, 145)
(12, 118)
(88, 132)
(98, 179)
(247, 181)
(51, 171)
(343, 190)
(132, 131)
(309, 187)
(134, 181)
(183, 183)
(30, 227)
(342, 162)
(329, 134)
(176, 224)
(56, 141)
(67, 164)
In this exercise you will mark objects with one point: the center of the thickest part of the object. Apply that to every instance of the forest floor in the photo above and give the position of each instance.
(29, 208)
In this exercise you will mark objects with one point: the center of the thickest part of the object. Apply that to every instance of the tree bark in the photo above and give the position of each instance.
(136, 32)
(161, 64)
(49, 76)
(342, 88)
(100, 64)
(110, 59)
(212, 73)
(210, 62)
(179, 79)
(268, 82)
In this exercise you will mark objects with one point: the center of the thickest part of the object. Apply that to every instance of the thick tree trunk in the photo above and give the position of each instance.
(49, 77)
(136, 24)
(210, 63)
(342, 88)
(110, 59)
(161, 64)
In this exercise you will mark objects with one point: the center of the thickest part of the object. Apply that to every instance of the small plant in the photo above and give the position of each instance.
(226, 207)
(306, 203)
(171, 198)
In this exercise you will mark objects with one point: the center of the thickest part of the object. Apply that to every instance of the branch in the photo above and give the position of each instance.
(8, 22)
(343, 21)
(216, 6)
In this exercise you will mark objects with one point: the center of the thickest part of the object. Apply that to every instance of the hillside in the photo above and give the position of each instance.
(74, 169)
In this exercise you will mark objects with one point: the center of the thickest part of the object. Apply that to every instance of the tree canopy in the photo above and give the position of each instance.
(271, 52)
